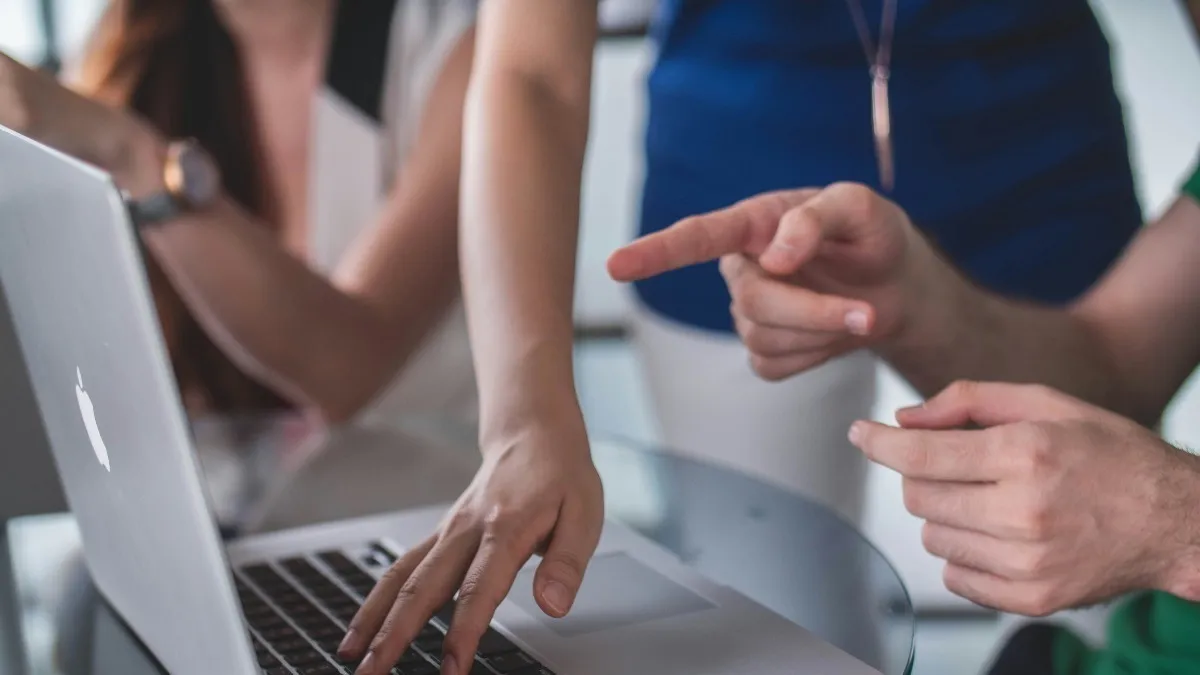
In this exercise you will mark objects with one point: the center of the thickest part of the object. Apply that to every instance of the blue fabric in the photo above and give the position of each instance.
(1009, 139)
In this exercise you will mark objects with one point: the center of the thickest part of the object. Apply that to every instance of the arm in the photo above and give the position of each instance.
(330, 344)
(818, 273)
(537, 489)
(525, 136)
(1127, 345)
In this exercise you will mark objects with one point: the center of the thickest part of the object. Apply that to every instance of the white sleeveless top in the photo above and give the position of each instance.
(384, 59)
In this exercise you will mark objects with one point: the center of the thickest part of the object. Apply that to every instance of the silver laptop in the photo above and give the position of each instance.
(71, 270)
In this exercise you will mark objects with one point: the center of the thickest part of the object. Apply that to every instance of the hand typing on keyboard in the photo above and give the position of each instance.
(297, 609)
(538, 493)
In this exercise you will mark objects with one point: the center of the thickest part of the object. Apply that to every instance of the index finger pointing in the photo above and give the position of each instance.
(745, 227)
(964, 456)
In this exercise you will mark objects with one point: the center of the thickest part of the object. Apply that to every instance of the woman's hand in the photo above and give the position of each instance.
(36, 105)
(537, 491)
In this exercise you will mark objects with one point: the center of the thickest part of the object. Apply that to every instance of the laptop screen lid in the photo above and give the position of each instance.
(77, 292)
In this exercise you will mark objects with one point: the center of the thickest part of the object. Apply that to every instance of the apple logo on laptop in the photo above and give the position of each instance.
(89, 421)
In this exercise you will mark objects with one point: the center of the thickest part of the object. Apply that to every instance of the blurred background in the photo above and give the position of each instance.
(1158, 69)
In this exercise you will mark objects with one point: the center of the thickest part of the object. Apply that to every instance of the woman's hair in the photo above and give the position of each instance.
(173, 62)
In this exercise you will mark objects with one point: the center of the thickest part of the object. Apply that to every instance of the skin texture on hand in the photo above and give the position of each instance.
(1050, 504)
(813, 273)
(528, 498)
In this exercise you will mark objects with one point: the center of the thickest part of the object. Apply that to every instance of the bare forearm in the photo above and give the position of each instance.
(1128, 344)
(964, 332)
(521, 190)
(276, 318)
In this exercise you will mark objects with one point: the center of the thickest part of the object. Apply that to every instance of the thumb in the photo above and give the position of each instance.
(561, 571)
(839, 212)
(988, 404)
(745, 227)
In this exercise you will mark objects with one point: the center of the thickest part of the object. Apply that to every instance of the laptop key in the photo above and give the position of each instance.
(511, 662)
(536, 670)
(280, 670)
(290, 646)
(323, 669)
(493, 643)
(382, 553)
(281, 633)
(422, 668)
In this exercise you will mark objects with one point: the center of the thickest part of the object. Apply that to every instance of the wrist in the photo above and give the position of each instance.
(136, 157)
(539, 397)
(932, 296)
(1181, 571)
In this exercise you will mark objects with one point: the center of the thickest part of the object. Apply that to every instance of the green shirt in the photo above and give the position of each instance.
(1149, 634)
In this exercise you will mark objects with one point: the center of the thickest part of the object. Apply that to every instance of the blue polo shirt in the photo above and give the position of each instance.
(1010, 147)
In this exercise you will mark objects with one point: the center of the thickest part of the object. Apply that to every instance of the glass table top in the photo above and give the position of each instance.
(791, 555)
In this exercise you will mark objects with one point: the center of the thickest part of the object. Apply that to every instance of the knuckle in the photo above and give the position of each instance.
(763, 341)
(862, 199)
(566, 566)
(932, 541)
(1042, 391)
(1038, 602)
(1035, 522)
(915, 502)
(460, 521)
(1032, 562)
(474, 597)
(794, 223)
(754, 338)
(961, 390)
(915, 458)
(1034, 447)
(748, 298)
(769, 369)
(500, 519)
(954, 581)
(408, 593)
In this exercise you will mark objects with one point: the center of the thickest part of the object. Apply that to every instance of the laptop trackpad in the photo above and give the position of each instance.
(617, 591)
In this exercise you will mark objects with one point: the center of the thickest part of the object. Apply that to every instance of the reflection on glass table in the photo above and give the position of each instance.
(790, 555)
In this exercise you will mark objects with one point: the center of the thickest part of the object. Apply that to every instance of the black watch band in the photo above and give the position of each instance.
(153, 210)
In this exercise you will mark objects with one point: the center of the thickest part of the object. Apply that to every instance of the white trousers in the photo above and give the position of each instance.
(711, 405)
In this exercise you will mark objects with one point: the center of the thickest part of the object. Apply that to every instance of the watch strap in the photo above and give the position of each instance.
(153, 210)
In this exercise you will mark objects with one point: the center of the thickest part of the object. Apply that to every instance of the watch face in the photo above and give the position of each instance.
(191, 174)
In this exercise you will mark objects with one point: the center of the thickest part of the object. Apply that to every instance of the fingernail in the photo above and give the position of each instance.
(449, 665)
(856, 432)
(367, 667)
(348, 642)
(856, 322)
(556, 596)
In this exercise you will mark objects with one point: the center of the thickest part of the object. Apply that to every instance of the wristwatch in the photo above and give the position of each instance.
(191, 183)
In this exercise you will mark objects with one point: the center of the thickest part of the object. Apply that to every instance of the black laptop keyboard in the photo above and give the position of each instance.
(298, 610)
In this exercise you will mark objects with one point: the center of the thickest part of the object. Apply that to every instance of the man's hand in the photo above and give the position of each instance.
(536, 492)
(1053, 504)
(813, 273)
